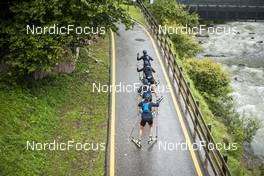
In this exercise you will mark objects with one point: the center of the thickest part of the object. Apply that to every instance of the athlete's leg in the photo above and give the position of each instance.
(151, 130)
(141, 131)
(150, 122)
(141, 128)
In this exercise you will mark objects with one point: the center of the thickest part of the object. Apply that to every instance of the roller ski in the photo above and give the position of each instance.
(137, 142)
(152, 140)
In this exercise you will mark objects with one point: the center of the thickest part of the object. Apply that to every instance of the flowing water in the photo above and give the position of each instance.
(242, 55)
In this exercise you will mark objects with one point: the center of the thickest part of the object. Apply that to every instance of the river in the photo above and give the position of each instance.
(242, 55)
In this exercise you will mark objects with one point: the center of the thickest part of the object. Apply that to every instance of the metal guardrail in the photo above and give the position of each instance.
(227, 10)
(223, 2)
(213, 161)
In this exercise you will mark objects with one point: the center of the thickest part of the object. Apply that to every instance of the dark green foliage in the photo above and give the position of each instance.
(208, 77)
(26, 53)
(169, 12)
(185, 46)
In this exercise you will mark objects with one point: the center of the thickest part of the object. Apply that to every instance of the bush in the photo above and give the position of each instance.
(171, 14)
(208, 77)
(184, 45)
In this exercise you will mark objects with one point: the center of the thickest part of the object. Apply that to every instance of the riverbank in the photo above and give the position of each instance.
(243, 59)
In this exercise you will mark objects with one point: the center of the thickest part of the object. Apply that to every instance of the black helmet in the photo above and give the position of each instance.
(145, 52)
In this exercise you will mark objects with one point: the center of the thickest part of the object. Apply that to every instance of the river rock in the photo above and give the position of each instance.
(239, 79)
(201, 35)
(241, 65)
(250, 160)
(212, 55)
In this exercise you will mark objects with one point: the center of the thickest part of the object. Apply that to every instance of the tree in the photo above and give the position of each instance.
(25, 53)
(169, 12)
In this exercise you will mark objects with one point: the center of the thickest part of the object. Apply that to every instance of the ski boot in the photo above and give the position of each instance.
(152, 140)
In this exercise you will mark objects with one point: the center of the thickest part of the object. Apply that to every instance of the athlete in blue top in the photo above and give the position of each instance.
(147, 117)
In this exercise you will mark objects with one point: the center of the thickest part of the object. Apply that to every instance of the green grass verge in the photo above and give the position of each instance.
(60, 108)
(134, 12)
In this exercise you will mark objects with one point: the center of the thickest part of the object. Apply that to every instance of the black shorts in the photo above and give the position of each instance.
(146, 118)
(152, 81)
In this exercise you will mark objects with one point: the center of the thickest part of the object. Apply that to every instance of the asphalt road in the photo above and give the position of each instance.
(161, 159)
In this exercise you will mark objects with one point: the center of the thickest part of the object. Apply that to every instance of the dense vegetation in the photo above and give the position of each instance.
(24, 53)
(209, 83)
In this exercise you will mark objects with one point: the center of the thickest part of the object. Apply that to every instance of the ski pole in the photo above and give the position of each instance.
(134, 126)
(138, 73)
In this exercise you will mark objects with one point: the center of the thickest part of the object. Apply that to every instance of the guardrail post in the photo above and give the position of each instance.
(187, 99)
(207, 143)
(198, 106)
(180, 82)
(210, 129)
(223, 167)
(226, 142)
(196, 119)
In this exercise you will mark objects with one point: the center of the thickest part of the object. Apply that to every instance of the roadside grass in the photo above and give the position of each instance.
(61, 108)
(134, 12)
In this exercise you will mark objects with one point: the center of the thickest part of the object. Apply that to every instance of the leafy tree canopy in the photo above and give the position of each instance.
(168, 12)
(25, 53)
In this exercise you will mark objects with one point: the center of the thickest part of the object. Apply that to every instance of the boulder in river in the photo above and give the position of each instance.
(251, 160)
(214, 55)
(201, 35)
(239, 79)
(242, 65)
